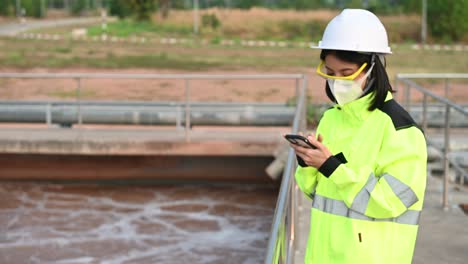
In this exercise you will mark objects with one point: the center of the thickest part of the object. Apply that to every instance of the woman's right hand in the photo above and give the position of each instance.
(313, 157)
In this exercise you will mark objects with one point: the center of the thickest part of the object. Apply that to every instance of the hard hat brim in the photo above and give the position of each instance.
(313, 46)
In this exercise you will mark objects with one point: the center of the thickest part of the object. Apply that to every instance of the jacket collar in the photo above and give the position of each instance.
(358, 109)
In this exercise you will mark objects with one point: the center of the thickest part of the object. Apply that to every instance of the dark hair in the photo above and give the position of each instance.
(379, 78)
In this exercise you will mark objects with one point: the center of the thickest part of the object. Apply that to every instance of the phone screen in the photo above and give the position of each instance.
(299, 140)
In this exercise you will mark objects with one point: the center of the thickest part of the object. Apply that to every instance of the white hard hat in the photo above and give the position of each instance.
(355, 30)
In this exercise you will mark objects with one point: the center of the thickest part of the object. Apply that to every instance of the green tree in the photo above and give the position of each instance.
(299, 4)
(447, 19)
(7, 7)
(412, 6)
(164, 7)
(142, 9)
(247, 4)
(78, 7)
(34, 8)
(120, 8)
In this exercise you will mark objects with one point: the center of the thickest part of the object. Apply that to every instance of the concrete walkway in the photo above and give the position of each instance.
(11, 29)
(442, 237)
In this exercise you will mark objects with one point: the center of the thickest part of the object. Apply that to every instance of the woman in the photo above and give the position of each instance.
(368, 174)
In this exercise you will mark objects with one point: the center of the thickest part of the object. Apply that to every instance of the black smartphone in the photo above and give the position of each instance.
(299, 140)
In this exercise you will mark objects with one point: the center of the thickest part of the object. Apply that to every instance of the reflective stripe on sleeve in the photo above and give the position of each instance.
(401, 190)
(337, 207)
(362, 198)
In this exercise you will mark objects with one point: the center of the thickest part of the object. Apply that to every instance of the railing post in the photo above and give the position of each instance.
(78, 99)
(49, 115)
(179, 118)
(187, 110)
(446, 156)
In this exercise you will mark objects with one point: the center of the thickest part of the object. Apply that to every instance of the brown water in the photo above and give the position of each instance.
(68, 224)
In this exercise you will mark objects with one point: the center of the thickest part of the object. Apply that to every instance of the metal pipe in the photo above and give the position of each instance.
(160, 115)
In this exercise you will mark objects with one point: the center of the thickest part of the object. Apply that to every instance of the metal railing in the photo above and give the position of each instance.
(187, 78)
(408, 85)
(282, 242)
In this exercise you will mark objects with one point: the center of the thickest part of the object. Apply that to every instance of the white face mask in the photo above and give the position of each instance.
(346, 91)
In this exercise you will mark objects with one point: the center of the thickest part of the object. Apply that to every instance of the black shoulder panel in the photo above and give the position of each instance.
(400, 117)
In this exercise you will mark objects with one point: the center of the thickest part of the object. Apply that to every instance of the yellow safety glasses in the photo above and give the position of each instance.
(321, 71)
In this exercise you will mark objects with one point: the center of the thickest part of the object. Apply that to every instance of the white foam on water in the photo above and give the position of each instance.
(82, 260)
(160, 228)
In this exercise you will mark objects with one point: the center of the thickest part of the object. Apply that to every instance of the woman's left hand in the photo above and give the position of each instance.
(313, 157)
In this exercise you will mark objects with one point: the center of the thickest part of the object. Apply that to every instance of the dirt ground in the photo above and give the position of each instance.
(148, 90)
(206, 90)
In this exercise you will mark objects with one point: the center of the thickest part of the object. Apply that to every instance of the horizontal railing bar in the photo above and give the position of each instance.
(149, 76)
(433, 75)
(437, 97)
(143, 103)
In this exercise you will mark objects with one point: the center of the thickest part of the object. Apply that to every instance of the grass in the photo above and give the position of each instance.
(63, 49)
(61, 54)
(38, 53)
(255, 23)
(127, 28)
(421, 61)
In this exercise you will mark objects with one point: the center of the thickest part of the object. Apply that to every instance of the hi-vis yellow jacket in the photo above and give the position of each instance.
(367, 198)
